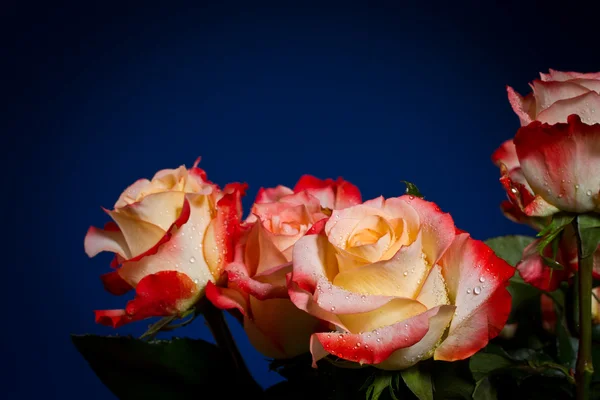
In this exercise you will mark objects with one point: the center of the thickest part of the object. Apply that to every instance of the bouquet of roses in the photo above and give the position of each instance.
(376, 298)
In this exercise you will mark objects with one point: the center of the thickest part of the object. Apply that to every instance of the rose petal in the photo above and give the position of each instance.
(224, 229)
(433, 292)
(114, 284)
(534, 271)
(437, 227)
(132, 193)
(261, 253)
(424, 348)
(278, 337)
(161, 294)
(560, 162)
(524, 107)
(506, 154)
(183, 252)
(226, 298)
(334, 195)
(548, 93)
(99, 240)
(140, 236)
(160, 209)
(399, 276)
(587, 106)
(376, 346)
(476, 280)
(565, 76)
(396, 310)
(272, 195)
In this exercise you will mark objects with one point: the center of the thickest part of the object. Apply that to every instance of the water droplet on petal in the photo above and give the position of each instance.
(468, 291)
(332, 308)
(477, 290)
(192, 260)
(576, 186)
(481, 279)
(589, 192)
(405, 273)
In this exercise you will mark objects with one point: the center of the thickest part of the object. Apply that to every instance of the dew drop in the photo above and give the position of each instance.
(589, 192)
(332, 308)
(196, 281)
(514, 190)
(411, 197)
(576, 186)
(358, 344)
(192, 260)
(481, 279)
(347, 296)
(405, 273)
(379, 339)
(477, 290)
(468, 291)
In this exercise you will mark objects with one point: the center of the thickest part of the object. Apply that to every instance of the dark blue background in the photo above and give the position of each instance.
(96, 97)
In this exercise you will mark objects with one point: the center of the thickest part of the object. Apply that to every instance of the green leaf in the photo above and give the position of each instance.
(559, 221)
(509, 248)
(412, 189)
(483, 364)
(484, 390)
(451, 380)
(589, 232)
(566, 345)
(377, 385)
(162, 369)
(419, 382)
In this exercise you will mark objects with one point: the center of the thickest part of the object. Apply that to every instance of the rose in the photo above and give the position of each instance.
(553, 162)
(400, 284)
(256, 283)
(171, 235)
(557, 95)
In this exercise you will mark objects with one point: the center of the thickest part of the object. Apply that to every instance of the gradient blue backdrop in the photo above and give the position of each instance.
(99, 96)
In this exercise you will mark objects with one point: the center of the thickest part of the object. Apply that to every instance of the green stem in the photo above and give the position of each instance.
(584, 368)
(220, 330)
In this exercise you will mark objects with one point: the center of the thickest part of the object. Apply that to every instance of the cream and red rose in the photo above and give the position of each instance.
(553, 163)
(399, 283)
(256, 284)
(170, 235)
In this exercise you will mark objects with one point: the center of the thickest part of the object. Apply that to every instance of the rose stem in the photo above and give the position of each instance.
(584, 368)
(220, 330)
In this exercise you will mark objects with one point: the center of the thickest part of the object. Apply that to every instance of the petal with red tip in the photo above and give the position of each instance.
(114, 284)
(272, 195)
(437, 227)
(524, 107)
(226, 298)
(534, 271)
(334, 195)
(376, 346)
(424, 348)
(506, 154)
(476, 280)
(183, 252)
(561, 162)
(224, 229)
(161, 294)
